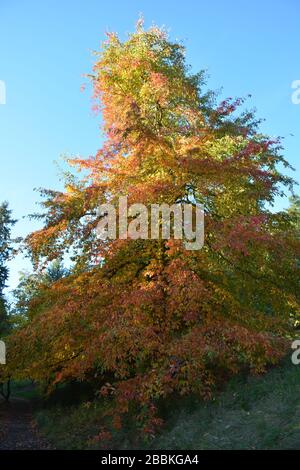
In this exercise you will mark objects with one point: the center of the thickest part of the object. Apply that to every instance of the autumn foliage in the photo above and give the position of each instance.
(144, 319)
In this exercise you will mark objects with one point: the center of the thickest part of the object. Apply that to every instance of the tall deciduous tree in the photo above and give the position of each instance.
(153, 318)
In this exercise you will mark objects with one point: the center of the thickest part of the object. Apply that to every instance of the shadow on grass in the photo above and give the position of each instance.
(253, 412)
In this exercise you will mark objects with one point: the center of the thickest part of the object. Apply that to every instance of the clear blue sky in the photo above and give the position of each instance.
(45, 48)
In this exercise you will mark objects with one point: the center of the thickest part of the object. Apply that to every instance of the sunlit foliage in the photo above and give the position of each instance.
(142, 319)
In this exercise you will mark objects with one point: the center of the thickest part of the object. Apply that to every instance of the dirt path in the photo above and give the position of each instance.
(17, 430)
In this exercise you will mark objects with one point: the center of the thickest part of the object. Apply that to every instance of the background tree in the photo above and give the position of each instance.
(30, 286)
(294, 212)
(6, 224)
(152, 318)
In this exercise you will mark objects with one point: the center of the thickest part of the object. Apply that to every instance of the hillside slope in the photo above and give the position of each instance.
(252, 413)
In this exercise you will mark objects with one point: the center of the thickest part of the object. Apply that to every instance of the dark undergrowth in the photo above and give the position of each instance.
(252, 412)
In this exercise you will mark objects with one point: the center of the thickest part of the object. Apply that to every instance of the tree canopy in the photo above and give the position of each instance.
(142, 319)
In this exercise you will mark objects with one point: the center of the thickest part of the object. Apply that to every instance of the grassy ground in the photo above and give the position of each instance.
(27, 390)
(252, 413)
(256, 413)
